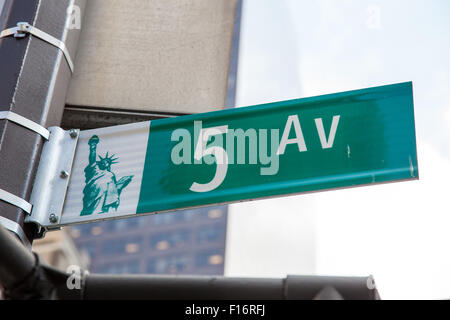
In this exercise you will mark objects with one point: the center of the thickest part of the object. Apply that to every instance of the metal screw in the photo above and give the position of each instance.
(53, 218)
(64, 174)
(73, 133)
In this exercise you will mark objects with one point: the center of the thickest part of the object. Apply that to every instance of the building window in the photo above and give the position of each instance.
(124, 245)
(131, 247)
(75, 233)
(215, 259)
(209, 234)
(162, 218)
(130, 267)
(186, 215)
(212, 212)
(96, 231)
(173, 239)
(82, 230)
(208, 258)
(167, 264)
(162, 245)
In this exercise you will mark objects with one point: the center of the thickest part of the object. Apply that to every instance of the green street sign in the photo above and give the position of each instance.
(333, 141)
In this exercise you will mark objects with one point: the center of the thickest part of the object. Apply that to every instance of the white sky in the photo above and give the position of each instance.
(397, 232)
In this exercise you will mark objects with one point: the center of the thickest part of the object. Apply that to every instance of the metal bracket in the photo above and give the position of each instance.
(24, 28)
(52, 179)
(24, 122)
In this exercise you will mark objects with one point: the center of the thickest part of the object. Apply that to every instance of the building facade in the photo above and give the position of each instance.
(182, 242)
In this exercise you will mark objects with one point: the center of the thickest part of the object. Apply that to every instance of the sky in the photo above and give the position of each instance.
(260, 243)
(396, 232)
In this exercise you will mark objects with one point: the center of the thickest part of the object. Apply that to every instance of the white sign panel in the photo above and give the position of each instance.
(107, 173)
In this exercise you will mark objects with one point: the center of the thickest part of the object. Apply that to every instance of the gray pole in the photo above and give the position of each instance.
(292, 287)
(24, 277)
(34, 79)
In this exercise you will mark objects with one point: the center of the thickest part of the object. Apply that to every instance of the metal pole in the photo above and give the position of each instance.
(23, 276)
(180, 287)
(225, 288)
(17, 263)
(34, 79)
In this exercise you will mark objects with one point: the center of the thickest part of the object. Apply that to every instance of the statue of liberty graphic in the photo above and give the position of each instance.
(102, 190)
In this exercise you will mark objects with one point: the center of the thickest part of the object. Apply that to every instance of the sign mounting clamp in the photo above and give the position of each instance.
(24, 28)
(24, 122)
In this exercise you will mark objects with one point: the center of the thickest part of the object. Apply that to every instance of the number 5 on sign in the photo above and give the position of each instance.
(219, 154)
